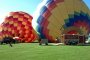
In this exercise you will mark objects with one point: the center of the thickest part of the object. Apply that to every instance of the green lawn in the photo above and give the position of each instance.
(32, 51)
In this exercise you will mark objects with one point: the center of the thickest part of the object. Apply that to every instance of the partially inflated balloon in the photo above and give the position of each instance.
(19, 24)
(59, 17)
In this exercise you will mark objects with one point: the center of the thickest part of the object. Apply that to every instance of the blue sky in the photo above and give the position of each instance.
(7, 6)
(28, 6)
(19, 5)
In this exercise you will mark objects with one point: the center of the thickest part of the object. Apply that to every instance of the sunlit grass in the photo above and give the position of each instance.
(32, 51)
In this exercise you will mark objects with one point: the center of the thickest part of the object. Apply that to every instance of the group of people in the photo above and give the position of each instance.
(42, 41)
(58, 40)
(8, 40)
(45, 41)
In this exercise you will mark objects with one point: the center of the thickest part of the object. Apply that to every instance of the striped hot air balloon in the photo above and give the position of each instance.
(59, 17)
(19, 24)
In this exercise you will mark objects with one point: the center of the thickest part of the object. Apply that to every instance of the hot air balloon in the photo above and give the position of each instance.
(19, 24)
(58, 17)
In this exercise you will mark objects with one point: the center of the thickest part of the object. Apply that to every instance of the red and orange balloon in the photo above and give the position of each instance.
(19, 24)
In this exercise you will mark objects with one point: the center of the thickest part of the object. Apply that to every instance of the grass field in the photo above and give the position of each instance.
(32, 51)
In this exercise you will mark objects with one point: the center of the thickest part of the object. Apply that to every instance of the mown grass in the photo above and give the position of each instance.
(32, 51)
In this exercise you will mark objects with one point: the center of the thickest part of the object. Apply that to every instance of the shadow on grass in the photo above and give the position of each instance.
(64, 45)
(53, 44)
(83, 45)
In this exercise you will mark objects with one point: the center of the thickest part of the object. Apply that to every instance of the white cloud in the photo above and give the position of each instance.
(3, 15)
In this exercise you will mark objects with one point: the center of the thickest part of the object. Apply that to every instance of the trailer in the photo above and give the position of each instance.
(73, 39)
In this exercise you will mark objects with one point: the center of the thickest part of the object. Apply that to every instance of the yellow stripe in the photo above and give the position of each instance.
(69, 6)
(77, 5)
(84, 7)
(62, 10)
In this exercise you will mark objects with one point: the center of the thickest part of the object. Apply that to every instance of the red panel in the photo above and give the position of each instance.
(58, 1)
(47, 14)
(51, 6)
(82, 39)
(46, 23)
(72, 32)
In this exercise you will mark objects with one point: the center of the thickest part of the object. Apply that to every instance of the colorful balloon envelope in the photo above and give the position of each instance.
(58, 17)
(19, 24)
